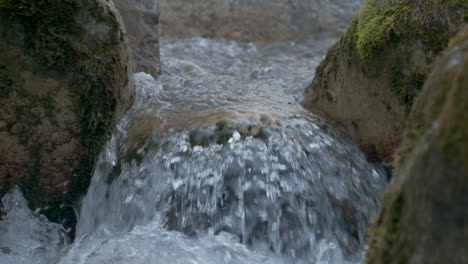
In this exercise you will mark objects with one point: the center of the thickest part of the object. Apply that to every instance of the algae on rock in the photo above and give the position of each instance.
(424, 214)
(64, 81)
(369, 79)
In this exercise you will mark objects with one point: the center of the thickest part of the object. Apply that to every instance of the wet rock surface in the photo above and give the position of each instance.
(253, 20)
(211, 125)
(369, 79)
(64, 81)
(33, 237)
(423, 216)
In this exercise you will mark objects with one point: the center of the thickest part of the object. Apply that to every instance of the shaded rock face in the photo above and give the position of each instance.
(141, 18)
(64, 82)
(255, 20)
(368, 79)
(424, 214)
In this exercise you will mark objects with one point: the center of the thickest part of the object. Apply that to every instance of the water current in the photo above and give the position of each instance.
(216, 162)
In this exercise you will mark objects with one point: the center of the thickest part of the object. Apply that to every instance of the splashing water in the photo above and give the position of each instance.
(27, 237)
(216, 162)
(282, 191)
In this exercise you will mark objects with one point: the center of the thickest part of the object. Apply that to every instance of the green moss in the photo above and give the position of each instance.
(380, 24)
(349, 39)
(390, 25)
(377, 25)
(324, 69)
(394, 41)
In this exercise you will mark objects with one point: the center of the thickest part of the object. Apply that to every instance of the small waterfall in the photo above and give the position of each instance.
(295, 189)
(217, 162)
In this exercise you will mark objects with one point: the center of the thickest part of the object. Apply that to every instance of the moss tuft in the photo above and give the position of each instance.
(378, 25)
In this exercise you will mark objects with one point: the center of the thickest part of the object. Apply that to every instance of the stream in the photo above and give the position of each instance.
(216, 162)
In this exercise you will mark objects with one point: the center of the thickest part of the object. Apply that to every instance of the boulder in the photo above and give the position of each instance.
(255, 20)
(64, 82)
(141, 18)
(369, 79)
(424, 215)
(211, 126)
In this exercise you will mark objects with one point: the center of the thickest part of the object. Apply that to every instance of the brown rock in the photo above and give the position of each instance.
(424, 215)
(369, 78)
(64, 82)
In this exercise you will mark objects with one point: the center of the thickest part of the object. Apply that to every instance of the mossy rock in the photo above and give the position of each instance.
(64, 82)
(423, 217)
(369, 79)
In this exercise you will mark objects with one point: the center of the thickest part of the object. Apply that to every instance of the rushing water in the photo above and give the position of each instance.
(217, 162)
